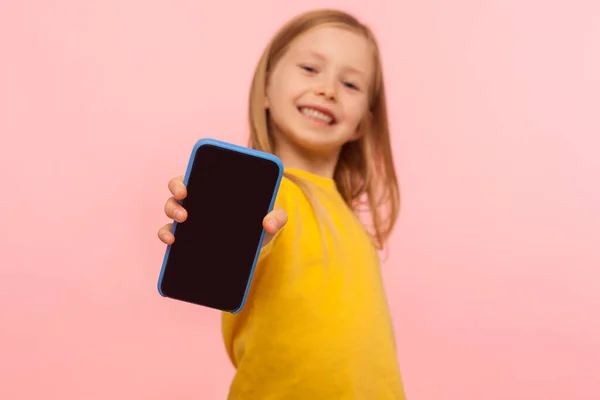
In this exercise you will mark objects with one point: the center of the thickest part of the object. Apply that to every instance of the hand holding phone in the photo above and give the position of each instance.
(272, 223)
(222, 212)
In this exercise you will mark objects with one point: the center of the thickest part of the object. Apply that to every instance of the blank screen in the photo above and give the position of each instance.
(229, 194)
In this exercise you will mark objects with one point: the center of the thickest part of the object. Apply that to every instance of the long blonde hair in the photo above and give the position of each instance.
(365, 174)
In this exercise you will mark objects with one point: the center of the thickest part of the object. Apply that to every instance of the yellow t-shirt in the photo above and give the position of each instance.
(316, 324)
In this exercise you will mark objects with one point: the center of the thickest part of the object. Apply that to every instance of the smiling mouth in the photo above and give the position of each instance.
(317, 115)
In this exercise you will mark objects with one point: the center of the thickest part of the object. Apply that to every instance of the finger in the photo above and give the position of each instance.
(274, 221)
(165, 235)
(177, 188)
(174, 210)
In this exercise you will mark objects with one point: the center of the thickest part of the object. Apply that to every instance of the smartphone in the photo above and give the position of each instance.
(230, 189)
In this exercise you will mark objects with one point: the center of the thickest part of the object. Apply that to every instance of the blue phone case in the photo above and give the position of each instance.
(240, 149)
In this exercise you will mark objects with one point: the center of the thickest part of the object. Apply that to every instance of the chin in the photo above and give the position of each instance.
(317, 144)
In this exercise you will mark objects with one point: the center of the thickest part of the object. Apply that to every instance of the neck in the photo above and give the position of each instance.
(321, 165)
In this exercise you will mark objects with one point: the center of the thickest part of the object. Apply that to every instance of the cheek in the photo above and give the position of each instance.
(283, 93)
(280, 100)
(355, 112)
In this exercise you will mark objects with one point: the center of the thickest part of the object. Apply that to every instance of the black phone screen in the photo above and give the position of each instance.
(228, 195)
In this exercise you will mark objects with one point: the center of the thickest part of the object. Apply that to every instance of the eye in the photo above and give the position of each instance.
(351, 85)
(308, 69)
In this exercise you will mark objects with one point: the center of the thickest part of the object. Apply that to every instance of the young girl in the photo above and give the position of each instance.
(316, 324)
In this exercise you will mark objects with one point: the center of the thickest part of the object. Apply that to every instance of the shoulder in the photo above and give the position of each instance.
(289, 193)
(292, 199)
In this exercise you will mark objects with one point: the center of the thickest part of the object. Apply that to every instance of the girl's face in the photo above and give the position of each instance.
(318, 93)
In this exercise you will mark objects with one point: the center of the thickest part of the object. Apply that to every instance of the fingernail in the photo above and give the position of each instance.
(177, 214)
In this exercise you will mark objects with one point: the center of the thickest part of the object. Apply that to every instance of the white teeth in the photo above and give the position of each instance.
(317, 115)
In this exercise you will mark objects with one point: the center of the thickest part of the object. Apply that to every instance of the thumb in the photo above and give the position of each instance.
(273, 223)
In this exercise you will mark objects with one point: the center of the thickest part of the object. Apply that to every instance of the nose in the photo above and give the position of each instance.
(327, 89)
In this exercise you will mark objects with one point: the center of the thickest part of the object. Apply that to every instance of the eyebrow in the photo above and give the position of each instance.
(322, 57)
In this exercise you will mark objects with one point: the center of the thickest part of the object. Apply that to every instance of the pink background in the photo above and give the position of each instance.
(493, 273)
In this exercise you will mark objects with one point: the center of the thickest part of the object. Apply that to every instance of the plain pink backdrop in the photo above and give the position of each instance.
(493, 272)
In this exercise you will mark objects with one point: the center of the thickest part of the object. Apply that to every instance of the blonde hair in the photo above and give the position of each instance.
(365, 174)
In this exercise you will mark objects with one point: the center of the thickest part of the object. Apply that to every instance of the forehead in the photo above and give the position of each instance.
(335, 44)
